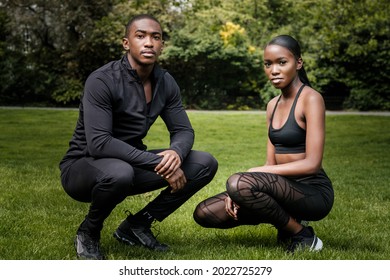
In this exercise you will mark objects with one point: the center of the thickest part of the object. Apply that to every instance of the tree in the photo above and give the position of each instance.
(213, 48)
(213, 59)
(48, 58)
(347, 43)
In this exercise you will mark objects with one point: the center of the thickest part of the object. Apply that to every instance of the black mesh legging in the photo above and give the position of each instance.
(268, 198)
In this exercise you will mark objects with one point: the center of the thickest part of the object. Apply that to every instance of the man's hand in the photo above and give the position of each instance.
(169, 164)
(169, 169)
(177, 180)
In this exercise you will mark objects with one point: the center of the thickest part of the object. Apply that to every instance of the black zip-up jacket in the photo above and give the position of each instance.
(114, 117)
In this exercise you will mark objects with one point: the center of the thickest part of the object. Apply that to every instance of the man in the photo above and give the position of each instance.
(107, 160)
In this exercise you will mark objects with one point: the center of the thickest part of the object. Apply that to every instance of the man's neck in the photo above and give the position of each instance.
(143, 71)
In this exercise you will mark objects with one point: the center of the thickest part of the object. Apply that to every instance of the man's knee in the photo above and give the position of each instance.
(200, 166)
(207, 164)
(211, 163)
(118, 179)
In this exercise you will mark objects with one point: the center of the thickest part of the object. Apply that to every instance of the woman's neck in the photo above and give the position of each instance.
(292, 88)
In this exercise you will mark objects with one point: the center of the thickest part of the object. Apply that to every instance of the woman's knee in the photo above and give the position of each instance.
(200, 216)
(205, 218)
(211, 213)
(244, 186)
(233, 184)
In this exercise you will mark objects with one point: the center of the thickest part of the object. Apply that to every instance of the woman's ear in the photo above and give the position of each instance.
(299, 63)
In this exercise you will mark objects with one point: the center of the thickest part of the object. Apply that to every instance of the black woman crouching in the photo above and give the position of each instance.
(292, 185)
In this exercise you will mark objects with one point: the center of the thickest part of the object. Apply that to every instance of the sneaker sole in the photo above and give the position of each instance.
(125, 240)
(131, 242)
(317, 245)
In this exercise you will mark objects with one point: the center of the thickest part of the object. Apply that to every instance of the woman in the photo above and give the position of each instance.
(291, 186)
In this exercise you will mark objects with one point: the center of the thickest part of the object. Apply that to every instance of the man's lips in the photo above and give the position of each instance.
(148, 53)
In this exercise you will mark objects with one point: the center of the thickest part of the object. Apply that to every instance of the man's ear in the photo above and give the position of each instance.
(125, 44)
(163, 45)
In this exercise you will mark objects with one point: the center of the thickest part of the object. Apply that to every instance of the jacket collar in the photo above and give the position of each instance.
(156, 73)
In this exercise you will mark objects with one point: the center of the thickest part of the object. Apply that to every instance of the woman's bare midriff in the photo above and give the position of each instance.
(286, 158)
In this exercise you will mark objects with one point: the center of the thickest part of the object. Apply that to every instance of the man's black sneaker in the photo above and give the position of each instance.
(306, 240)
(131, 234)
(87, 247)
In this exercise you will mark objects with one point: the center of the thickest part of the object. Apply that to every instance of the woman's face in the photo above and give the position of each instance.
(280, 65)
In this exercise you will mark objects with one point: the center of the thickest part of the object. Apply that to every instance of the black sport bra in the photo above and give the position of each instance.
(290, 138)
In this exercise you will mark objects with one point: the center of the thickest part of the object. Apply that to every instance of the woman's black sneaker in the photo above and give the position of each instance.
(283, 237)
(305, 240)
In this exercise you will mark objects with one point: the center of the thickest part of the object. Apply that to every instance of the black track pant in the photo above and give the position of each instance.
(268, 198)
(108, 181)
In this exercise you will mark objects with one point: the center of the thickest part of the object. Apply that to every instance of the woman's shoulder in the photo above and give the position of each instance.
(312, 98)
(311, 95)
(273, 101)
(271, 105)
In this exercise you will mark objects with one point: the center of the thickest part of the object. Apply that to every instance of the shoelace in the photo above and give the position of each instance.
(156, 228)
(153, 226)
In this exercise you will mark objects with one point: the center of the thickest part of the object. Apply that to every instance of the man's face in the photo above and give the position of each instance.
(144, 42)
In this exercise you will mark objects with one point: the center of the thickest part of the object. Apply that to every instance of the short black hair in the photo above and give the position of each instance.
(139, 17)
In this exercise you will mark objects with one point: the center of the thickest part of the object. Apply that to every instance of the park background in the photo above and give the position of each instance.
(213, 49)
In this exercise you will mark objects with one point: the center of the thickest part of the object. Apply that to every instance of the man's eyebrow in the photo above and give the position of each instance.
(144, 31)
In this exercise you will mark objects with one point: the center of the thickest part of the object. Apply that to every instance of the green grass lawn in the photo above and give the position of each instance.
(38, 220)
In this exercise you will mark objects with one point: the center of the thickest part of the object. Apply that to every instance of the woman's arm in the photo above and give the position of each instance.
(270, 147)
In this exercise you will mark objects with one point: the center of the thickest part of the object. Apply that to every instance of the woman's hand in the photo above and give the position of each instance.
(231, 208)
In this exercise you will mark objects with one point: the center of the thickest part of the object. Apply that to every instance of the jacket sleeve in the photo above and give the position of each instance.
(176, 119)
(98, 119)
